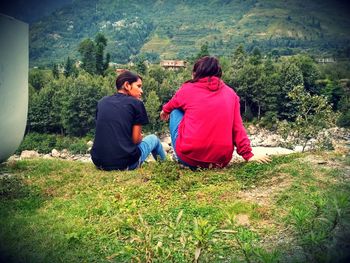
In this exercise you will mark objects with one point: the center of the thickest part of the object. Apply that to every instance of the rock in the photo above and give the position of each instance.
(13, 158)
(55, 153)
(90, 143)
(299, 148)
(252, 130)
(29, 154)
(86, 158)
(64, 154)
(48, 156)
(271, 151)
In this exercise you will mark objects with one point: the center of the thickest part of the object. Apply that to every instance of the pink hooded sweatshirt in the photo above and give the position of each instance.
(212, 123)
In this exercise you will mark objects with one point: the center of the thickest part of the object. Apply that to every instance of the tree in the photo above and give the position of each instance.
(152, 106)
(79, 105)
(239, 58)
(290, 77)
(55, 71)
(68, 68)
(106, 64)
(309, 71)
(100, 43)
(256, 57)
(140, 64)
(37, 79)
(41, 114)
(313, 114)
(87, 50)
(203, 51)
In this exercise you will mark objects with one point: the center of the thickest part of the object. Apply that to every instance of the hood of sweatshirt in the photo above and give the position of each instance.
(211, 83)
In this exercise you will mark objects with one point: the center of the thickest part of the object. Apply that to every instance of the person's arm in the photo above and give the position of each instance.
(164, 116)
(239, 135)
(175, 102)
(136, 133)
(241, 140)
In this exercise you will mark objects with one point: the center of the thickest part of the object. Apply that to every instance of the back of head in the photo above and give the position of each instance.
(206, 67)
(126, 76)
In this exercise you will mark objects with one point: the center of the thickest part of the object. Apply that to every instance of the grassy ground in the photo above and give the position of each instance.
(295, 209)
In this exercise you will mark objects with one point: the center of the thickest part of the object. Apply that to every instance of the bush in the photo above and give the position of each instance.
(344, 120)
(79, 146)
(44, 143)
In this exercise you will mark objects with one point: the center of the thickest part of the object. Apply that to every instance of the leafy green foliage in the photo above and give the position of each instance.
(44, 143)
(67, 105)
(153, 108)
(313, 114)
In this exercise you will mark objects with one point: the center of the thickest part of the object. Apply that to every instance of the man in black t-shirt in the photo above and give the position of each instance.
(118, 143)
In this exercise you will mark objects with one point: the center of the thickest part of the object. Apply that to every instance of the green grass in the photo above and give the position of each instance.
(61, 211)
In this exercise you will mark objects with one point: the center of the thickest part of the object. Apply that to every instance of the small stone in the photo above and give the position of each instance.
(64, 154)
(90, 143)
(47, 156)
(55, 153)
(13, 158)
(29, 154)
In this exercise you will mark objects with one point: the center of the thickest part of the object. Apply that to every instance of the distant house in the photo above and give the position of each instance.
(78, 63)
(120, 70)
(325, 60)
(112, 64)
(173, 64)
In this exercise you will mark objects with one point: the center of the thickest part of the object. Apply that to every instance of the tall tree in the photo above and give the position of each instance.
(55, 71)
(100, 43)
(152, 105)
(290, 77)
(239, 58)
(256, 57)
(68, 67)
(204, 51)
(87, 50)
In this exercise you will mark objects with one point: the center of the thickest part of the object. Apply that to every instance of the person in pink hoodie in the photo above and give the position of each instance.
(205, 121)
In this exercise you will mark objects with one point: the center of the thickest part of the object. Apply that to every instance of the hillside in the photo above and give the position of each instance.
(177, 29)
(294, 209)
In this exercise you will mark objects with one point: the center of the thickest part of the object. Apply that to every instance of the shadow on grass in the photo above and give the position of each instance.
(19, 201)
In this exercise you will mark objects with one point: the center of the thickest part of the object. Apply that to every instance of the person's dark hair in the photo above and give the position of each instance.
(206, 67)
(128, 76)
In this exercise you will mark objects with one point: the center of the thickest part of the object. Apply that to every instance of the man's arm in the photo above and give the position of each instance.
(137, 133)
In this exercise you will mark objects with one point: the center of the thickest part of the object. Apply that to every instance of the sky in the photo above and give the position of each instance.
(30, 10)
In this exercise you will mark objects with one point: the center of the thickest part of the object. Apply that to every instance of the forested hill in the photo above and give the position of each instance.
(177, 29)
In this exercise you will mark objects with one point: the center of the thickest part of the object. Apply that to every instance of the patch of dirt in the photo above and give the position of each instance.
(263, 194)
(327, 162)
(242, 220)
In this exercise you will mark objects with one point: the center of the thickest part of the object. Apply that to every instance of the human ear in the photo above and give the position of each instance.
(127, 85)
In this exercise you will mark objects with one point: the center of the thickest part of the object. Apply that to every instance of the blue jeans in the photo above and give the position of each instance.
(149, 144)
(175, 119)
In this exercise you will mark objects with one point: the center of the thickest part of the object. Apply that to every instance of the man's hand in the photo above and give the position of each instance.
(164, 116)
(260, 159)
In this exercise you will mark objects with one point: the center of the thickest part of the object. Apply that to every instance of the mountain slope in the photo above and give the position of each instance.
(177, 29)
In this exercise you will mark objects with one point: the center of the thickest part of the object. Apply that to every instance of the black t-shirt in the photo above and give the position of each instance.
(113, 147)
